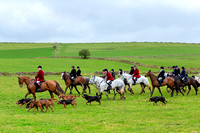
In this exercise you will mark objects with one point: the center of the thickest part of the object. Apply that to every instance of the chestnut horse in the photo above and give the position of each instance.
(154, 81)
(79, 80)
(51, 86)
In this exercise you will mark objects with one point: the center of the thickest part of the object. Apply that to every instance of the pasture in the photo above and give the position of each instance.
(135, 114)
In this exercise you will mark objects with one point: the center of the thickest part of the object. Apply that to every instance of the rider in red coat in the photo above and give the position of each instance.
(136, 74)
(109, 78)
(39, 77)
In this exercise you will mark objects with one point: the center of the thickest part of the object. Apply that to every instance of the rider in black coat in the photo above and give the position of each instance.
(131, 71)
(78, 73)
(177, 71)
(161, 76)
(73, 73)
(183, 75)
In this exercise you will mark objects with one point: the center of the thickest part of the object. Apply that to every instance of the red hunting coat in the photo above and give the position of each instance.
(109, 76)
(40, 76)
(136, 73)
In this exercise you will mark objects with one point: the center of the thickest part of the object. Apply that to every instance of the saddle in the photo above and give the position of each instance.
(38, 86)
(160, 79)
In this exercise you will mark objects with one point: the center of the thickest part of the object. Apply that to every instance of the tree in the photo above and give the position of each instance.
(84, 53)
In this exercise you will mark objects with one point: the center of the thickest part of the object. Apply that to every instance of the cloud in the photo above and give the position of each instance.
(99, 20)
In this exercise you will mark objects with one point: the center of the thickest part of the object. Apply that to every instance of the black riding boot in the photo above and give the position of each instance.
(38, 87)
(159, 83)
(109, 87)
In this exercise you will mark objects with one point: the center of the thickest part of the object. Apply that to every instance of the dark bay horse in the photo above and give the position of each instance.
(51, 86)
(188, 82)
(177, 84)
(154, 81)
(191, 81)
(79, 80)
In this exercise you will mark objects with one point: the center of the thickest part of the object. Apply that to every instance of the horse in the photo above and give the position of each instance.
(191, 81)
(117, 86)
(79, 80)
(51, 86)
(143, 81)
(177, 84)
(169, 81)
(188, 82)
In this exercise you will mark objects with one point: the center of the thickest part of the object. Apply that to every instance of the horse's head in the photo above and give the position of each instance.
(120, 72)
(20, 80)
(92, 80)
(62, 75)
(148, 73)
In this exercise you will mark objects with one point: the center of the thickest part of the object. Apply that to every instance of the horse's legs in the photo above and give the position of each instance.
(51, 94)
(149, 88)
(89, 89)
(167, 89)
(106, 94)
(181, 91)
(160, 91)
(34, 95)
(71, 89)
(130, 89)
(77, 90)
(152, 91)
(195, 87)
(114, 90)
(142, 85)
(189, 89)
(27, 94)
(172, 92)
(66, 89)
(84, 89)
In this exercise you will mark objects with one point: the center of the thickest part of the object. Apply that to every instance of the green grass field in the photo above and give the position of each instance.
(135, 114)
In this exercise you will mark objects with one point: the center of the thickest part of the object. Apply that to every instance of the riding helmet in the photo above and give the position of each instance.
(161, 67)
(105, 69)
(39, 66)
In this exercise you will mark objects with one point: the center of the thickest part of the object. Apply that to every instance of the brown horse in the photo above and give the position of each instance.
(51, 86)
(154, 81)
(79, 80)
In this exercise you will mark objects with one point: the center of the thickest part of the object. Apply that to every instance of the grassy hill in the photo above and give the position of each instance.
(158, 54)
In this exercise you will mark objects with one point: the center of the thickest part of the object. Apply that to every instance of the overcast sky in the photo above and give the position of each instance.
(100, 21)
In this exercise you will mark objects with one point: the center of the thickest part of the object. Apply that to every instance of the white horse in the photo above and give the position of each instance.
(197, 78)
(117, 86)
(143, 81)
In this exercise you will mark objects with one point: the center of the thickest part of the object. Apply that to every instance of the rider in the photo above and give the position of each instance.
(131, 71)
(173, 69)
(136, 74)
(78, 73)
(73, 74)
(161, 76)
(183, 76)
(109, 78)
(113, 73)
(177, 71)
(39, 78)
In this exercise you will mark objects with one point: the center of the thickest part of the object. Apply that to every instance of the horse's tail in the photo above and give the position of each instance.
(123, 88)
(58, 88)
